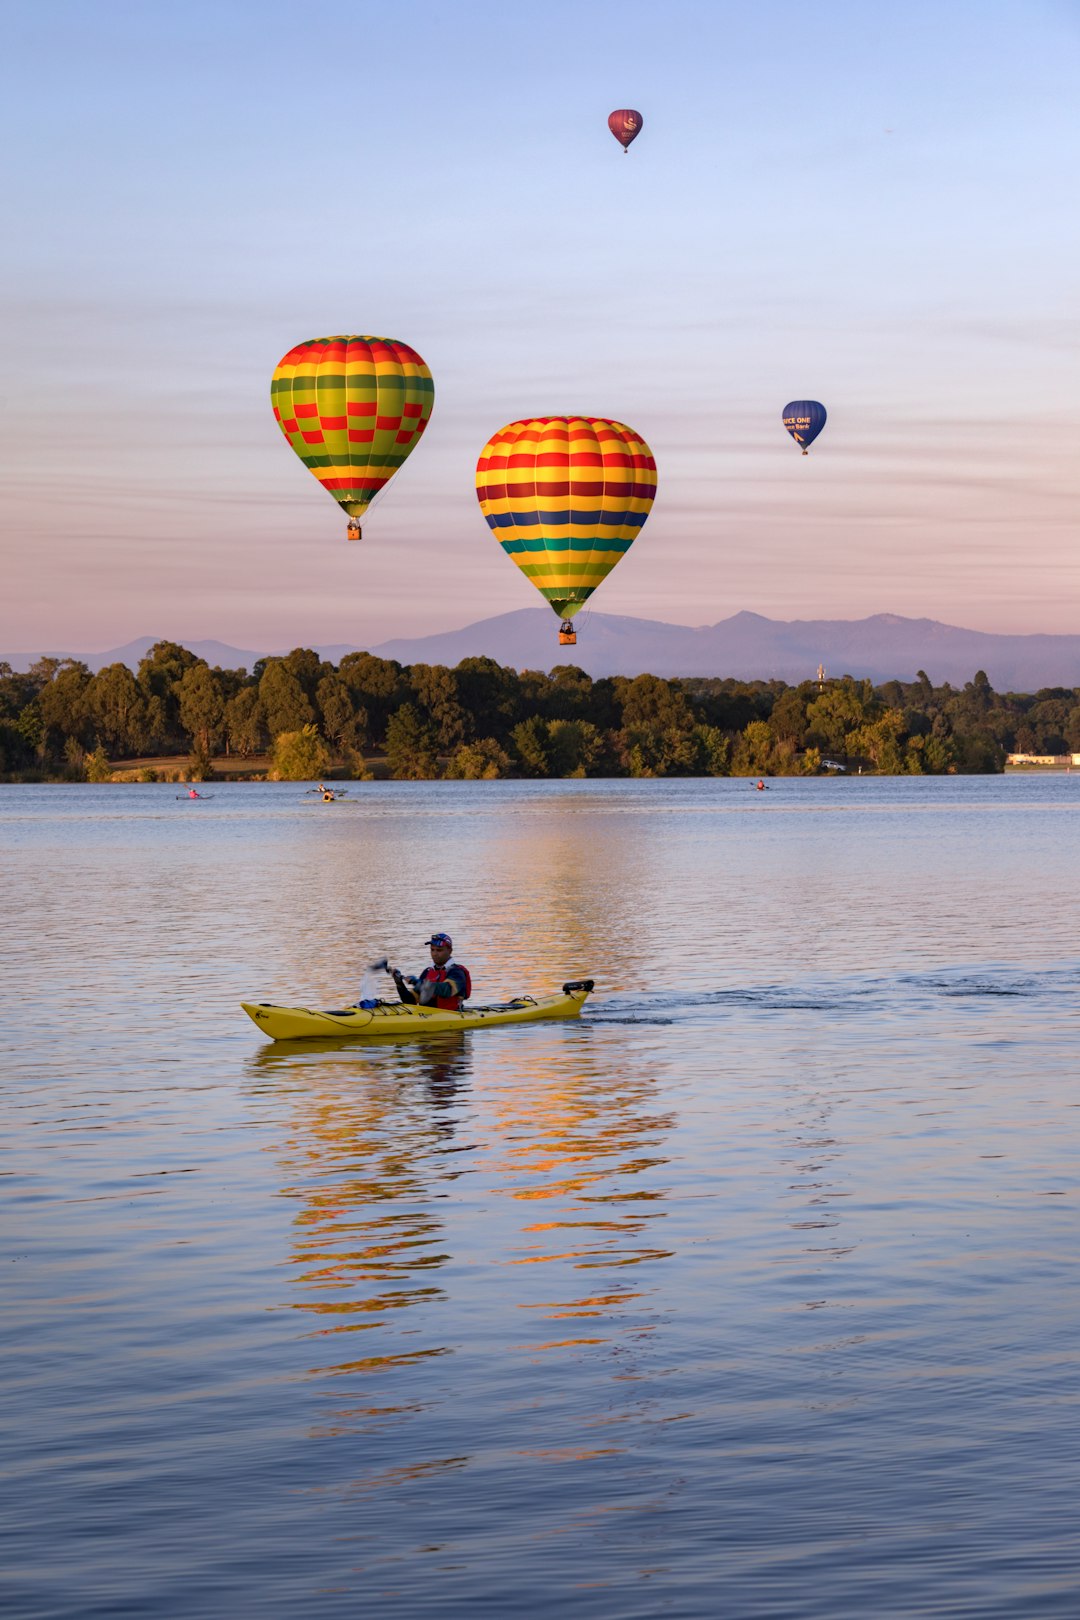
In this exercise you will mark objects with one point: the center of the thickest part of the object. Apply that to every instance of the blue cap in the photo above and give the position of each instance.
(440, 939)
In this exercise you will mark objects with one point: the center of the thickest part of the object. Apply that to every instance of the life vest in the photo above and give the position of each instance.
(437, 975)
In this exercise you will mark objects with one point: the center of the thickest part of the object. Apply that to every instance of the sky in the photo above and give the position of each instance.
(871, 206)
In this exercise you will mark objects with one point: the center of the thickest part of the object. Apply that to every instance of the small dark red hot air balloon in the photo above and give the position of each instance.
(625, 124)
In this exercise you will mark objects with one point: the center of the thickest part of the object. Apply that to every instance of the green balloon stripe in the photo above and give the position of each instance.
(360, 458)
(361, 383)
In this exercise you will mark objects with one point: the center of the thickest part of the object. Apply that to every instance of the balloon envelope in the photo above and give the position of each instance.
(625, 124)
(353, 409)
(804, 420)
(565, 497)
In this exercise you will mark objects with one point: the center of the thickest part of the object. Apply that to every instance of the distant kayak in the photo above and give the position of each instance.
(395, 1018)
(194, 798)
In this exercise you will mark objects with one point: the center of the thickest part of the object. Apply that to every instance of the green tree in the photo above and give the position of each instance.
(976, 754)
(914, 763)
(284, 704)
(160, 673)
(840, 709)
(118, 709)
(201, 707)
(788, 717)
(245, 730)
(75, 760)
(98, 768)
(572, 695)
(731, 704)
(713, 750)
(937, 755)
(1048, 718)
(300, 756)
(575, 747)
(62, 702)
(651, 704)
(882, 743)
(342, 721)
(480, 761)
(656, 736)
(377, 686)
(490, 696)
(753, 750)
(308, 668)
(980, 691)
(529, 740)
(436, 691)
(42, 671)
(13, 692)
(199, 767)
(411, 746)
(31, 728)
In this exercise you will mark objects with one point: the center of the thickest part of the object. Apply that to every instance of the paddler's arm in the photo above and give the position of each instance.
(403, 990)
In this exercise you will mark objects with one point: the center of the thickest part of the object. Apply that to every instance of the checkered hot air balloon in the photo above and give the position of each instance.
(353, 409)
(565, 497)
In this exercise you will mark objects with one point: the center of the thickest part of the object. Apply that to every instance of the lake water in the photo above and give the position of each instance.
(754, 1293)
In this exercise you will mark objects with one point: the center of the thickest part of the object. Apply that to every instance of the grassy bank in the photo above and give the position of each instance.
(224, 768)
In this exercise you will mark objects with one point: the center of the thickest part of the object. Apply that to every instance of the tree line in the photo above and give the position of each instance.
(299, 717)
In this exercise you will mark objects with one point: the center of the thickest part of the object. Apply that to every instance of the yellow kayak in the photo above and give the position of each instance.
(395, 1018)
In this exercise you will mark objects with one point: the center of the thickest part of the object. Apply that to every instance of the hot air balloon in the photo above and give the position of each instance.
(353, 409)
(625, 124)
(566, 496)
(804, 420)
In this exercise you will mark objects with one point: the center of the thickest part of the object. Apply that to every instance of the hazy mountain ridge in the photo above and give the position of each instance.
(746, 646)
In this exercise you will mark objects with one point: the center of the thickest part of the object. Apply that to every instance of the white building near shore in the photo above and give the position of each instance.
(1063, 762)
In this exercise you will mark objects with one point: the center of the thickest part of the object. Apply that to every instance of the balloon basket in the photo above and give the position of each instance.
(353, 532)
(567, 638)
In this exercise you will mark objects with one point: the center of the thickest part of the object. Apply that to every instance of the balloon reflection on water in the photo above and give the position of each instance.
(366, 1236)
(563, 1197)
(578, 1147)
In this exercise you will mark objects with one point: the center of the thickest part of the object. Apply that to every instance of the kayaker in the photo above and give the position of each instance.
(193, 795)
(445, 984)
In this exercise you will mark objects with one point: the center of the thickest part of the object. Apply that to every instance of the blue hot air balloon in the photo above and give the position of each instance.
(804, 420)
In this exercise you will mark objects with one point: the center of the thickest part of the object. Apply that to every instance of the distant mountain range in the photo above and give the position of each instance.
(746, 646)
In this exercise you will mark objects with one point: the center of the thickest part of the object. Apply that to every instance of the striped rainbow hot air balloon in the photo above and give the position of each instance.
(353, 409)
(566, 497)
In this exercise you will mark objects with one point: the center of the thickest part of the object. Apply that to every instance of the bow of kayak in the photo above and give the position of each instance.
(395, 1018)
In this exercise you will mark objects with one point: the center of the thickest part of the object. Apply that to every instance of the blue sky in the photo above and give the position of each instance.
(873, 207)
